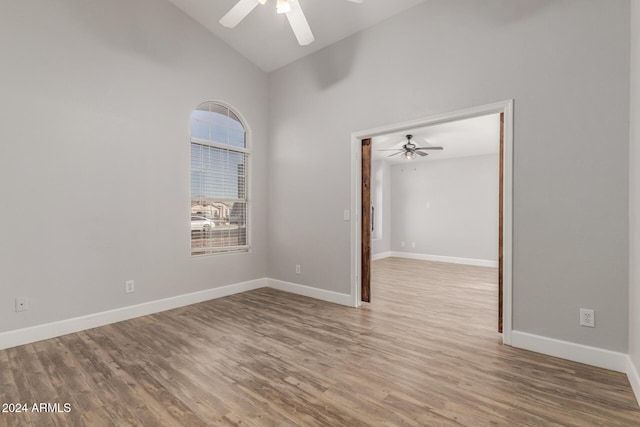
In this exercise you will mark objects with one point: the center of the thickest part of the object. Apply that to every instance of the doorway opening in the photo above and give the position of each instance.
(368, 213)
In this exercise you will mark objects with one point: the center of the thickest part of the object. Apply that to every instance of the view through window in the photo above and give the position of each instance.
(219, 160)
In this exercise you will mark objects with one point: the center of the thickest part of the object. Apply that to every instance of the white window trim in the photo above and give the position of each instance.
(219, 145)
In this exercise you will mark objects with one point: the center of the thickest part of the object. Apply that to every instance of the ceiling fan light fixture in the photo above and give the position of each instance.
(291, 8)
(283, 6)
(409, 155)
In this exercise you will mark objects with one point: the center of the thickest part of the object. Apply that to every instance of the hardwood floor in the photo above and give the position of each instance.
(423, 353)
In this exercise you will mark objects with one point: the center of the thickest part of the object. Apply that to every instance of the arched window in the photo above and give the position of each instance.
(219, 193)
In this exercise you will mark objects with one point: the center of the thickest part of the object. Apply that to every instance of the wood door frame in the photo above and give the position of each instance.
(505, 107)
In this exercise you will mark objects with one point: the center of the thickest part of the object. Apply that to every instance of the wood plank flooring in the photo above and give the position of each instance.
(423, 353)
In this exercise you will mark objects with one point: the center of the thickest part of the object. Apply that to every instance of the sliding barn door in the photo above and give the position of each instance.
(365, 281)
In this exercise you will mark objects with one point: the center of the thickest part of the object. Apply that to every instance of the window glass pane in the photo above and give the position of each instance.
(238, 214)
(218, 226)
(219, 134)
(237, 138)
(199, 129)
(213, 122)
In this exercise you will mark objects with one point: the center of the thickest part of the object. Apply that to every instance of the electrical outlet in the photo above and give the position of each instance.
(402, 244)
(22, 304)
(413, 244)
(297, 268)
(587, 317)
(129, 286)
(347, 215)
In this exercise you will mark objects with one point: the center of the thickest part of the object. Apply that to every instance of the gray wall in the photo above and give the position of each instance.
(566, 64)
(94, 154)
(446, 207)
(381, 200)
(634, 211)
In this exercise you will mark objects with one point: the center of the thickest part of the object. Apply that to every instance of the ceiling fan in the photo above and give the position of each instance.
(291, 8)
(410, 149)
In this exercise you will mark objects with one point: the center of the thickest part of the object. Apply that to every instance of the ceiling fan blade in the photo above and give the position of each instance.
(299, 24)
(428, 148)
(356, 1)
(238, 13)
(394, 154)
(420, 153)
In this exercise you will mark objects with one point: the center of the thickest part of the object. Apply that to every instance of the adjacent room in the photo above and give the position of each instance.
(435, 200)
(183, 212)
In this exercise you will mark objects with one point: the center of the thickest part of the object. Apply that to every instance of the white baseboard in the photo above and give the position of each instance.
(634, 379)
(380, 255)
(440, 258)
(308, 291)
(55, 329)
(593, 356)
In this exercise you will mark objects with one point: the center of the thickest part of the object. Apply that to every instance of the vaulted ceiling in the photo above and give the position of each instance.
(265, 38)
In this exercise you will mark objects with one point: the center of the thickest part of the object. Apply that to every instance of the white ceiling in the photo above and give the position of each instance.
(462, 138)
(265, 37)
